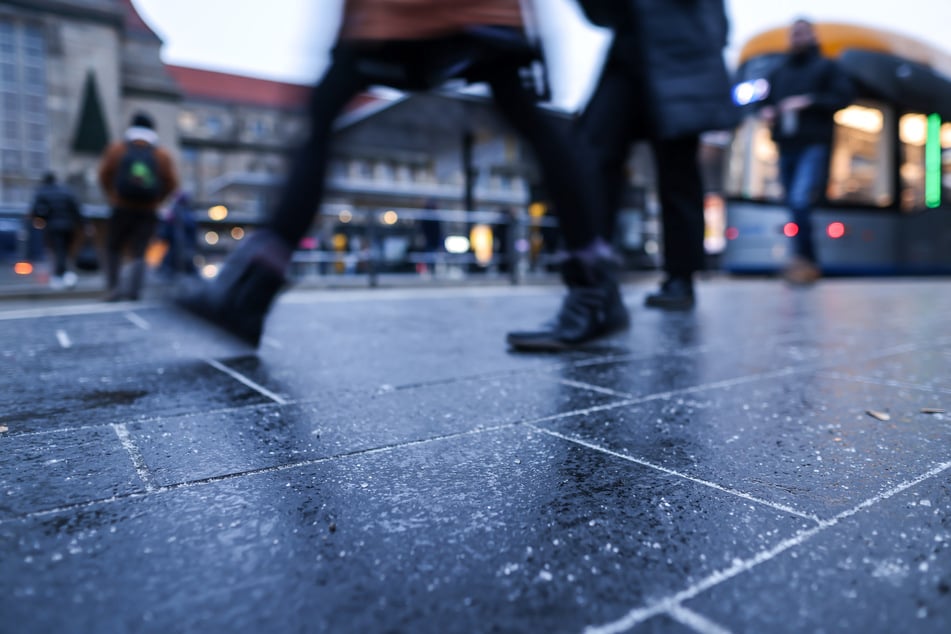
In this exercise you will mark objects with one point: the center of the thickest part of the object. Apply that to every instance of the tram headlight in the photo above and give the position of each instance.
(748, 92)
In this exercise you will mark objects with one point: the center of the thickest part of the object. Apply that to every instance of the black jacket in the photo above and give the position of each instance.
(819, 78)
(57, 205)
(675, 47)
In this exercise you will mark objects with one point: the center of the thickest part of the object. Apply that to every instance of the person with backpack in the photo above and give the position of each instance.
(57, 207)
(136, 174)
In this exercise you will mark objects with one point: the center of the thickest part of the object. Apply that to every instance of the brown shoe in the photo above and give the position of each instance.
(801, 272)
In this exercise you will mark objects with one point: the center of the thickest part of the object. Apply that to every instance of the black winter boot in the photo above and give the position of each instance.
(239, 298)
(593, 308)
(676, 293)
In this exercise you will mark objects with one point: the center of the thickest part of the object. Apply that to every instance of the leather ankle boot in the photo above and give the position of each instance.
(239, 298)
(593, 308)
(676, 293)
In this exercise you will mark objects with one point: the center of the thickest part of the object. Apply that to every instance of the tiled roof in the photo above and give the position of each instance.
(209, 85)
(212, 85)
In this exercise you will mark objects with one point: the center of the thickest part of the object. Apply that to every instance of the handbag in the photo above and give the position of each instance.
(87, 258)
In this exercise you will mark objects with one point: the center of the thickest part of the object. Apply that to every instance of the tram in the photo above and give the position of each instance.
(887, 206)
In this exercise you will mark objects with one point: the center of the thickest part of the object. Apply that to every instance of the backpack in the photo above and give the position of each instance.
(137, 178)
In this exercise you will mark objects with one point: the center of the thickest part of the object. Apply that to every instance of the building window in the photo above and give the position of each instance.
(187, 121)
(261, 128)
(23, 117)
(214, 125)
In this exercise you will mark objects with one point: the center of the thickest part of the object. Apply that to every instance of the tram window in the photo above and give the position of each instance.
(861, 163)
(913, 133)
(754, 163)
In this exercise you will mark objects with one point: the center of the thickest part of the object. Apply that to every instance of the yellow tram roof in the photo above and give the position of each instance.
(835, 37)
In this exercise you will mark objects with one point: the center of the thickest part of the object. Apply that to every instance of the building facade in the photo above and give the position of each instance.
(72, 73)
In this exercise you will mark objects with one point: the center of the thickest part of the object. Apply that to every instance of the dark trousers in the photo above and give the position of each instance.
(568, 175)
(803, 171)
(615, 118)
(128, 230)
(59, 242)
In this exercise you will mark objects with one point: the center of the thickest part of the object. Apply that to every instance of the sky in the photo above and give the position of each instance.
(288, 40)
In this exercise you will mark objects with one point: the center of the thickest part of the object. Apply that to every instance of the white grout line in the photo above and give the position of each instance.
(883, 382)
(667, 604)
(277, 398)
(63, 339)
(698, 622)
(138, 321)
(713, 485)
(133, 451)
(594, 388)
(135, 455)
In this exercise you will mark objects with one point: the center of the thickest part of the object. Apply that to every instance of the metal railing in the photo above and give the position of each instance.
(515, 258)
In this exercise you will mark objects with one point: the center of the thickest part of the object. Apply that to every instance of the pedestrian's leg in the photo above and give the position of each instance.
(303, 191)
(59, 240)
(568, 168)
(143, 228)
(611, 122)
(680, 187)
(593, 307)
(239, 299)
(805, 191)
(115, 240)
(803, 175)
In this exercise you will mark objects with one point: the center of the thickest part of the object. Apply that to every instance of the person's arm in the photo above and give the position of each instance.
(39, 208)
(836, 91)
(107, 170)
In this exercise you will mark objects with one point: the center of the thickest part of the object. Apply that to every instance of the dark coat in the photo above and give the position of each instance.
(675, 47)
(822, 80)
(57, 205)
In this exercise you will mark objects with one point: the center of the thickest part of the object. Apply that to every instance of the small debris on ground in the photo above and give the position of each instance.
(932, 410)
(878, 415)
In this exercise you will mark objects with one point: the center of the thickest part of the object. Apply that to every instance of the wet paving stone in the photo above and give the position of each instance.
(881, 570)
(101, 393)
(385, 464)
(928, 368)
(402, 343)
(51, 470)
(512, 530)
(187, 448)
(802, 440)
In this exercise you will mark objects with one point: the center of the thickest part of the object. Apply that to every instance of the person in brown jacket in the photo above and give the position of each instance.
(136, 174)
(417, 45)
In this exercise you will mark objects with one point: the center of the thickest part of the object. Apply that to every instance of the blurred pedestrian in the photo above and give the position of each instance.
(805, 91)
(136, 174)
(180, 232)
(664, 81)
(417, 45)
(431, 232)
(61, 215)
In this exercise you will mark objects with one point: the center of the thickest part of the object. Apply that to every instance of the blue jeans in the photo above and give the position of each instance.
(803, 171)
